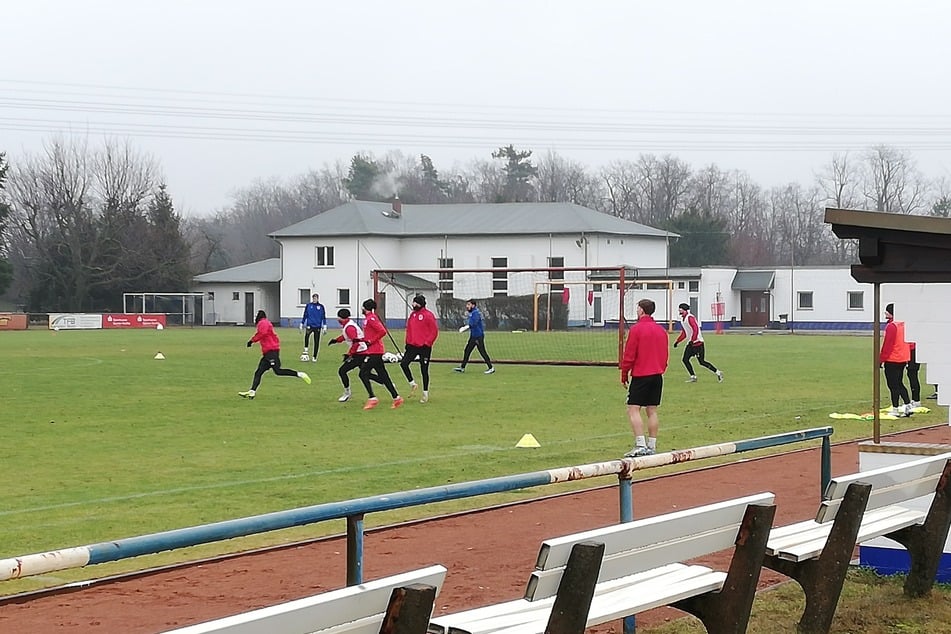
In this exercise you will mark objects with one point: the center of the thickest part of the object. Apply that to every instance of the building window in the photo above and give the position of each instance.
(303, 296)
(805, 300)
(693, 286)
(324, 256)
(236, 296)
(558, 262)
(680, 286)
(856, 300)
(343, 297)
(445, 277)
(500, 279)
(211, 295)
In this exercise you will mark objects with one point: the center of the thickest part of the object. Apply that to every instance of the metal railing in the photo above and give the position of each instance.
(355, 510)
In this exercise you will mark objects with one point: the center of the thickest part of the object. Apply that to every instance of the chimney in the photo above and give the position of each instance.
(397, 205)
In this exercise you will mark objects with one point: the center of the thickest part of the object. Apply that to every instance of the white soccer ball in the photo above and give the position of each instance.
(389, 357)
(304, 356)
(159, 327)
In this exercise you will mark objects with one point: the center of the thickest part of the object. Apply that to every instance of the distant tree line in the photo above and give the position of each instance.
(81, 225)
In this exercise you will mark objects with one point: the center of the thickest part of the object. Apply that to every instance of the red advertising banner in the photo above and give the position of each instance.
(135, 320)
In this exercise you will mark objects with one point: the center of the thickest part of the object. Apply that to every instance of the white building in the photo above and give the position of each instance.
(335, 252)
(233, 296)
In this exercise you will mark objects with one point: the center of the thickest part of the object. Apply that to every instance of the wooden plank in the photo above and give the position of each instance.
(640, 533)
(886, 495)
(544, 583)
(354, 609)
(883, 477)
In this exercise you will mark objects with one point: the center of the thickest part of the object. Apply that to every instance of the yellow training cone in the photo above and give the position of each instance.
(527, 441)
(159, 355)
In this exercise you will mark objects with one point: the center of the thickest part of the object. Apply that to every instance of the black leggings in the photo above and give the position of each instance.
(311, 330)
(897, 390)
(472, 344)
(913, 383)
(423, 353)
(349, 363)
(373, 368)
(270, 361)
(696, 351)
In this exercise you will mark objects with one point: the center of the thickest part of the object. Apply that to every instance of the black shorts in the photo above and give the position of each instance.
(645, 390)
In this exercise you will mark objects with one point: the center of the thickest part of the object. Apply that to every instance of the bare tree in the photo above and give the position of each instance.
(562, 180)
(892, 182)
(840, 186)
(621, 190)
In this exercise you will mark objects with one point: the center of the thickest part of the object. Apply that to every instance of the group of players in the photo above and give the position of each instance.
(365, 347)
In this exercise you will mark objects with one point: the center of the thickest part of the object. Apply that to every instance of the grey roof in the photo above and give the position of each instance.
(371, 218)
(753, 280)
(407, 281)
(262, 271)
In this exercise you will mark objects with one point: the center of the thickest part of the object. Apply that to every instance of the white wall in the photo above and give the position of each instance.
(227, 310)
(354, 259)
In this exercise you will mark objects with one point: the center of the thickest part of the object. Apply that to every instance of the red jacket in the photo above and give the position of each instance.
(894, 347)
(373, 333)
(646, 352)
(421, 328)
(264, 332)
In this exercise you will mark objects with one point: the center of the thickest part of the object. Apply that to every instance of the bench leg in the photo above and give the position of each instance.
(822, 579)
(569, 613)
(925, 543)
(728, 611)
(409, 610)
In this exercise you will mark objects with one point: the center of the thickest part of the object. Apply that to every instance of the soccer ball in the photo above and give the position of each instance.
(389, 357)
(304, 356)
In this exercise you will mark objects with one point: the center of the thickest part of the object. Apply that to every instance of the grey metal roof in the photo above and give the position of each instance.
(371, 218)
(407, 281)
(262, 271)
(753, 280)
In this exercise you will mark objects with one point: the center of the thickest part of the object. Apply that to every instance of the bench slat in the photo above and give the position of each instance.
(354, 609)
(474, 615)
(886, 495)
(883, 477)
(544, 583)
(807, 539)
(612, 600)
(639, 533)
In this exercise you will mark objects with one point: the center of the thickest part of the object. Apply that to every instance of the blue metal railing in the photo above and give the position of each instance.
(355, 510)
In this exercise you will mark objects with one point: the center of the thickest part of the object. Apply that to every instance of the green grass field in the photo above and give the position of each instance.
(104, 442)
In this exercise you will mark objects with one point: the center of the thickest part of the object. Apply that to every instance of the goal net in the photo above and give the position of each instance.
(556, 316)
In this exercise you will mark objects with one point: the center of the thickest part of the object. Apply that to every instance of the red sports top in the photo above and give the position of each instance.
(894, 347)
(646, 352)
(373, 333)
(264, 332)
(421, 328)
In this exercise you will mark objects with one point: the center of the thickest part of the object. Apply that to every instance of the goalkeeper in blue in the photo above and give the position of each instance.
(314, 322)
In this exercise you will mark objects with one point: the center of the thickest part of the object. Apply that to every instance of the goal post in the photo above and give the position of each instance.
(552, 315)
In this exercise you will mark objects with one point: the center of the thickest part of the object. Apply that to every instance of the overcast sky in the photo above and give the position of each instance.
(225, 92)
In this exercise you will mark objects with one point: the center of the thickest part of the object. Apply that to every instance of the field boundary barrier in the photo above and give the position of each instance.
(354, 511)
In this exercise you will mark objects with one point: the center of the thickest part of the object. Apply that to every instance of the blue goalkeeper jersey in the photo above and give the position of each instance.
(315, 315)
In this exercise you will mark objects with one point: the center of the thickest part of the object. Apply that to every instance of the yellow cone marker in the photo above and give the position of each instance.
(159, 355)
(527, 441)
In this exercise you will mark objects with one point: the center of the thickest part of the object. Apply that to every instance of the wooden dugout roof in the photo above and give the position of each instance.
(896, 248)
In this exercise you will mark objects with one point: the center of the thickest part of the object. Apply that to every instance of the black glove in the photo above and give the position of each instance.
(331, 342)
(250, 343)
(675, 343)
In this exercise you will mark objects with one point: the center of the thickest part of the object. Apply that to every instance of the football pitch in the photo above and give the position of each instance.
(102, 441)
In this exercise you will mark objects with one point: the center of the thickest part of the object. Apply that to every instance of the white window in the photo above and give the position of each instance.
(856, 300)
(324, 256)
(805, 300)
(680, 286)
(303, 296)
(445, 277)
(236, 296)
(500, 279)
(343, 297)
(694, 286)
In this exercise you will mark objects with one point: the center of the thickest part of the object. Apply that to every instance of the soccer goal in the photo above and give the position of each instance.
(554, 316)
(181, 309)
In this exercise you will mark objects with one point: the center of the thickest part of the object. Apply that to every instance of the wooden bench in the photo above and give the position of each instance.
(401, 604)
(854, 509)
(642, 568)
